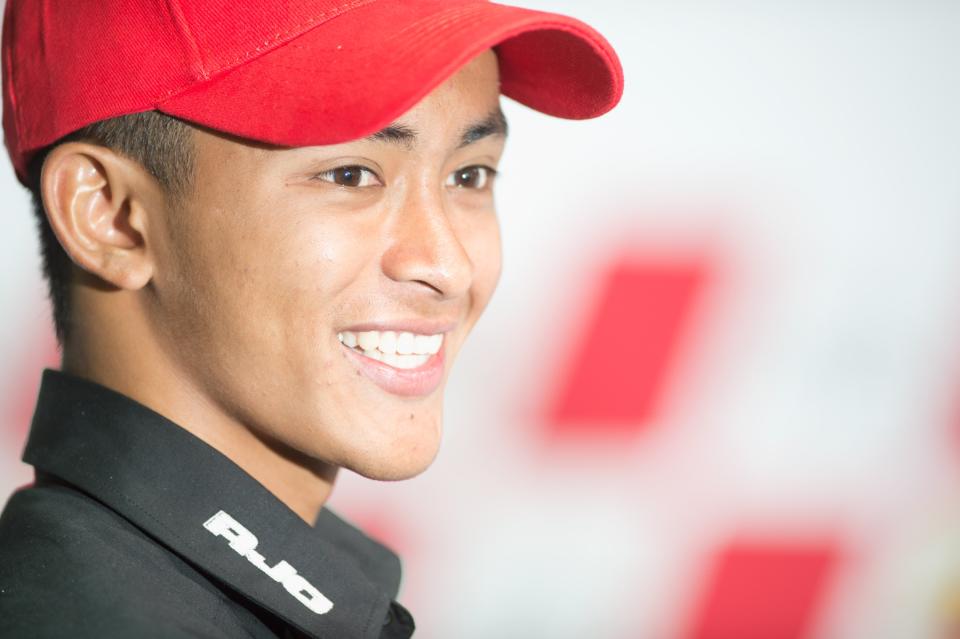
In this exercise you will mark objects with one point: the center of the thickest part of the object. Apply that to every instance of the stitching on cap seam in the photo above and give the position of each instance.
(439, 20)
(310, 23)
(183, 27)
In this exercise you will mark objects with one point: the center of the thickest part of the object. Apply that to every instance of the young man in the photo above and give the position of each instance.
(268, 228)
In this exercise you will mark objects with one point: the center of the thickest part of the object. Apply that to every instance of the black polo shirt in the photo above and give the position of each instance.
(134, 527)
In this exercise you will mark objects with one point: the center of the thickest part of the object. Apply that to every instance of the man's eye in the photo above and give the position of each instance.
(472, 177)
(354, 175)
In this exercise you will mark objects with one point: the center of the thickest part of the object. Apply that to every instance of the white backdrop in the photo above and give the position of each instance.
(753, 258)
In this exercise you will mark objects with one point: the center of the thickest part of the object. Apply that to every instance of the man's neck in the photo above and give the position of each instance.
(136, 368)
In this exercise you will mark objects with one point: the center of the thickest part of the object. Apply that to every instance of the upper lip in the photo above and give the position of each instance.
(419, 326)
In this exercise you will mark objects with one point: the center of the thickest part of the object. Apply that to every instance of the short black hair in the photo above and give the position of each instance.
(161, 143)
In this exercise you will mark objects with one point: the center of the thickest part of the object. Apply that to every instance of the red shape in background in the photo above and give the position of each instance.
(955, 430)
(620, 363)
(765, 590)
(21, 398)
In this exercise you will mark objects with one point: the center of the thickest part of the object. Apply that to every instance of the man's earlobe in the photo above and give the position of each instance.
(92, 197)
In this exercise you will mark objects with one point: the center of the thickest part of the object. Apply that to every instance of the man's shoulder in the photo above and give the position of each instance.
(69, 565)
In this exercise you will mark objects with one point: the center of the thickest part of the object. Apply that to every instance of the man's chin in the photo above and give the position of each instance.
(393, 467)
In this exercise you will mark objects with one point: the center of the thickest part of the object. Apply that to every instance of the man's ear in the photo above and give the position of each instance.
(96, 201)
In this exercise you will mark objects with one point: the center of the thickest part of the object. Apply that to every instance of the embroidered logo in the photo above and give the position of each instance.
(245, 543)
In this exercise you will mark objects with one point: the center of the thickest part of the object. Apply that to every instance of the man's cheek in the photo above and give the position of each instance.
(486, 258)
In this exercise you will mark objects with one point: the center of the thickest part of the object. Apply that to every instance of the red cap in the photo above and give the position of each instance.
(286, 72)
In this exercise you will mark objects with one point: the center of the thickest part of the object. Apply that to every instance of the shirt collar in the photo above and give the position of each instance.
(203, 506)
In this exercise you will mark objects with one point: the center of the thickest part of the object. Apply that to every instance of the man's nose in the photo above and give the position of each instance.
(427, 245)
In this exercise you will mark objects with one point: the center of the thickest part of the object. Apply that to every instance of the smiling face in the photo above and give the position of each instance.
(282, 258)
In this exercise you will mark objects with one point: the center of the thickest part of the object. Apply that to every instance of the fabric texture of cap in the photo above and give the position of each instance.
(291, 72)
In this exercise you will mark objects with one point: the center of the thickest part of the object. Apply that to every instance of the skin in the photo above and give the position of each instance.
(221, 312)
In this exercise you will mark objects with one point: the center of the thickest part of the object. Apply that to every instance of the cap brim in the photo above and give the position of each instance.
(344, 79)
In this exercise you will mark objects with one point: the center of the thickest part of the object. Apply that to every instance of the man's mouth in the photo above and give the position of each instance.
(401, 350)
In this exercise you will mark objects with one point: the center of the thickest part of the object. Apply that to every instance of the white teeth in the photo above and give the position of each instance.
(397, 361)
(421, 344)
(388, 342)
(405, 361)
(368, 340)
(412, 361)
(400, 361)
(403, 344)
(391, 359)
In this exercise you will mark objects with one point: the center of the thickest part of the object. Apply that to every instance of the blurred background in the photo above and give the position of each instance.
(717, 394)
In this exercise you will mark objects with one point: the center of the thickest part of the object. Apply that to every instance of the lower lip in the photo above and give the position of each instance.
(413, 382)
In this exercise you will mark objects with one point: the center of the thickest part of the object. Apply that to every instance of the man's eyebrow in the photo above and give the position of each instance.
(495, 123)
(399, 134)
